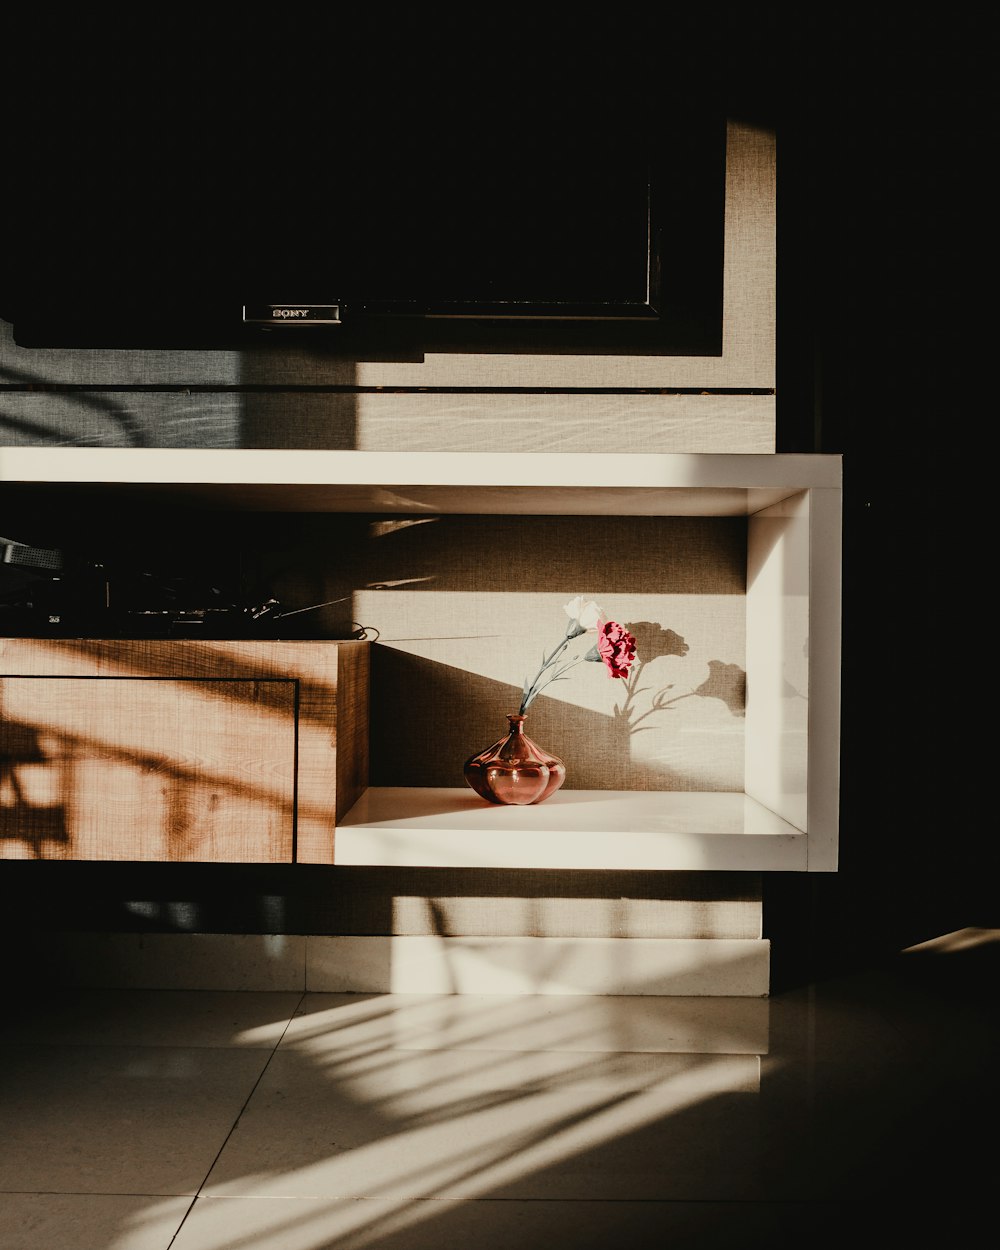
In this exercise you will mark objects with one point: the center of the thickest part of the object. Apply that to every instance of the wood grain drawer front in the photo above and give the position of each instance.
(229, 751)
(147, 769)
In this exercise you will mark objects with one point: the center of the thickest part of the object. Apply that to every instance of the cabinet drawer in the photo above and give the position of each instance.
(239, 752)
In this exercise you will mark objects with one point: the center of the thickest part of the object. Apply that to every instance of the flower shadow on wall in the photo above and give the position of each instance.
(700, 750)
(726, 682)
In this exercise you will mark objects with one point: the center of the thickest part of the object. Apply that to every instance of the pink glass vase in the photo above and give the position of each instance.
(515, 769)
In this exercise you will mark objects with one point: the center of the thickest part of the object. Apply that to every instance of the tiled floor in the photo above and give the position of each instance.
(855, 1107)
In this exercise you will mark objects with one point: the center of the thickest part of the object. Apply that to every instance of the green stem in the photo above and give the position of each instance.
(538, 685)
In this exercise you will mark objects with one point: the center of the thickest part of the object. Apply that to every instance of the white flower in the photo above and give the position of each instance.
(584, 613)
(584, 616)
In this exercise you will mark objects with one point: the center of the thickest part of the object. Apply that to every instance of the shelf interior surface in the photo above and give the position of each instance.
(441, 826)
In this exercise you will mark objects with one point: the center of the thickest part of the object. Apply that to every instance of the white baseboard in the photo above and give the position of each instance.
(532, 965)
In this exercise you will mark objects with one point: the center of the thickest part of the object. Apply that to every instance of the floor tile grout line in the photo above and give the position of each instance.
(239, 1116)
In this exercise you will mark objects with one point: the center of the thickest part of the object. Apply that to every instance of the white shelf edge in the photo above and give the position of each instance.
(543, 483)
(239, 466)
(575, 829)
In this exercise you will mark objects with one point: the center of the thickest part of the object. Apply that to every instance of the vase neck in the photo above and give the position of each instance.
(516, 722)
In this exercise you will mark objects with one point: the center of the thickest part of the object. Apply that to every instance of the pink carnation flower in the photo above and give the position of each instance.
(616, 647)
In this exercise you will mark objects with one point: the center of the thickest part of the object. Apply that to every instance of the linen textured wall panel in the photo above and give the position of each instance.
(381, 421)
(467, 606)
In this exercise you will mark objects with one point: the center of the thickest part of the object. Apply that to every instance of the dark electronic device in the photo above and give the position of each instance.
(48, 592)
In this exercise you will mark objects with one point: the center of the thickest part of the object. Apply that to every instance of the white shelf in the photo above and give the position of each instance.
(788, 817)
(540, 483)
(603, 829)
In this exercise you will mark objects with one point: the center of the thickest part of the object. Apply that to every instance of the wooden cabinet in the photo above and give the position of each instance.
(177, 750)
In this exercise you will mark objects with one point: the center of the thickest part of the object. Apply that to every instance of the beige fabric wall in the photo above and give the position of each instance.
(474, 604)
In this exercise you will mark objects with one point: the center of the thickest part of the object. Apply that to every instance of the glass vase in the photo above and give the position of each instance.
(515, 769)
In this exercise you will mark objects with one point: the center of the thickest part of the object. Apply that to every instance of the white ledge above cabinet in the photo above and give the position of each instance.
(786, 818)
(542, 483)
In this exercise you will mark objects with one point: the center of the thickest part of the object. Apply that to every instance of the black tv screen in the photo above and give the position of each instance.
(366, 180)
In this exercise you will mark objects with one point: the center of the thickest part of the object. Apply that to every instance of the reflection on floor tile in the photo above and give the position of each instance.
(703, 1025)
(255, 1223)
(462, 1124)
(47, 1221)
(118, 1119)
(855, 1105)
